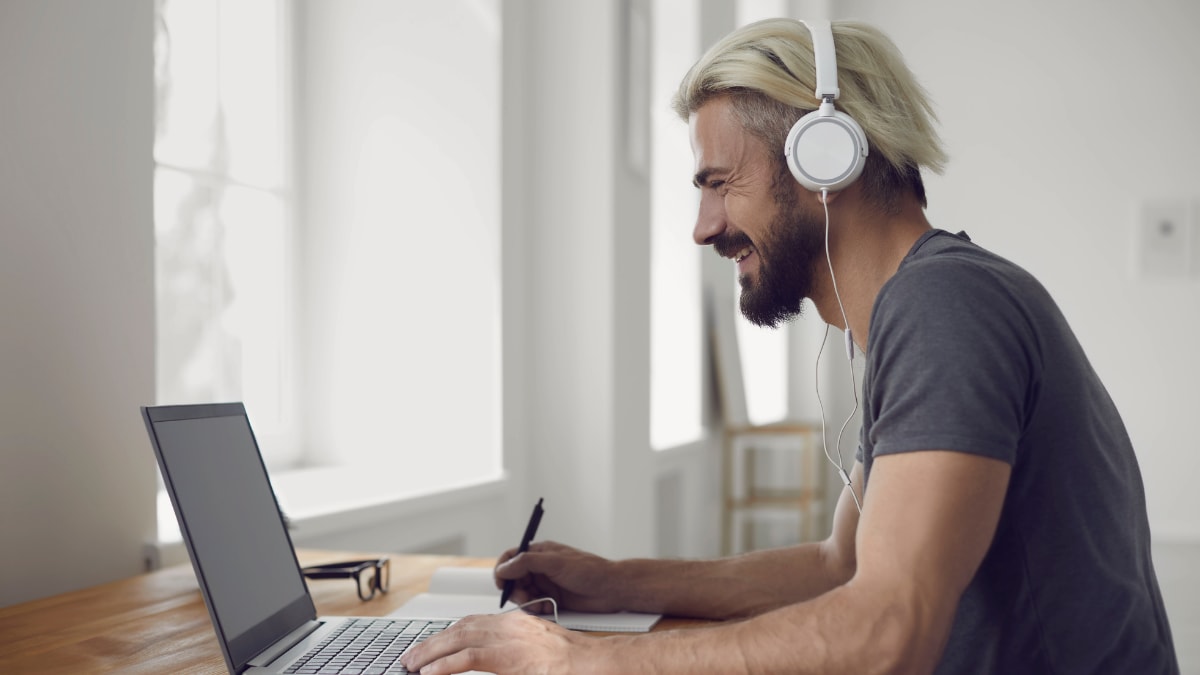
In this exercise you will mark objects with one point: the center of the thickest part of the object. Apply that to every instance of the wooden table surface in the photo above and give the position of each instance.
(157, 622)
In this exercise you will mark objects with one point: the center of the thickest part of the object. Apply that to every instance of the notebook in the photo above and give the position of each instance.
(462, 591)
(260, 607)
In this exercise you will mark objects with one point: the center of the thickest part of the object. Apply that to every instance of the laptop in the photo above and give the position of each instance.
(242, 554)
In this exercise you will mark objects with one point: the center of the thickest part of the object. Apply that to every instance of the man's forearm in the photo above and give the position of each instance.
(726, 588)
(844, 631)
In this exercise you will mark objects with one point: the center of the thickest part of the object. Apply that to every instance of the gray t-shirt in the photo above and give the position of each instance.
(968, 352)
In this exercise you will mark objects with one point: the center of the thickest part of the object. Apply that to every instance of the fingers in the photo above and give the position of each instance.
(533, 575)
(529, 589)
(575, 579)
(538, 546)
(460, 662)
(502, 643)
(448, 642)
(541, 560)
(535, 547)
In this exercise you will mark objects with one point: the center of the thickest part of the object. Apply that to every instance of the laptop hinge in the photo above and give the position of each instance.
(268, 655)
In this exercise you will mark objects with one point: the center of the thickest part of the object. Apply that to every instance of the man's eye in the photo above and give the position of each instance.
(716, 184)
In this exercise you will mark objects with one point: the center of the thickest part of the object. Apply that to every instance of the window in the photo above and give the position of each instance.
(399, 132)
(676, 324)
(327, 207)
(677, 329)
(765, 368)
(223, 211)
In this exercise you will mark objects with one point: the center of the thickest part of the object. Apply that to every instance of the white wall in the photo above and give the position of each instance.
(76, 292)
(576, 304)
(1060, 117)
(398, 188)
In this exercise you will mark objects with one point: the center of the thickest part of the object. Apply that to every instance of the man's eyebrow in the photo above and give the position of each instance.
(701, 177)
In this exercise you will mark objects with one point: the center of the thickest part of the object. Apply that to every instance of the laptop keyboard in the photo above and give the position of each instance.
(365, 647)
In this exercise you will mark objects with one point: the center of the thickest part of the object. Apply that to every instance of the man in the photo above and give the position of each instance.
(1003, 528)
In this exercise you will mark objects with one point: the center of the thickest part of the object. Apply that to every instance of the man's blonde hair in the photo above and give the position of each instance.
(767, 69)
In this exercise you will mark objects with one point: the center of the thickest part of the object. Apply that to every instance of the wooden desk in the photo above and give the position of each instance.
(157, 622)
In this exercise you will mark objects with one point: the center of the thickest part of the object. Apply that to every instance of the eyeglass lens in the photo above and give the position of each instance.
(372, 578)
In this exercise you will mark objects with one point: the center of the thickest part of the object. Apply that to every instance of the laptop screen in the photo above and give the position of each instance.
(229, 518)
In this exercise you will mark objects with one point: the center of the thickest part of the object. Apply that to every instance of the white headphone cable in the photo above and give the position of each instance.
(552, 601)
(840, 463)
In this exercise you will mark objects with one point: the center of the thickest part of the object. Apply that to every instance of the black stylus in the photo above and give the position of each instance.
(530, 531)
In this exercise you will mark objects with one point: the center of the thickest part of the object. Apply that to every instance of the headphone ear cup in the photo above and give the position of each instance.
(826, 151)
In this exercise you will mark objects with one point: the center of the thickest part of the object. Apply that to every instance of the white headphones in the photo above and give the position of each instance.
(826, 149)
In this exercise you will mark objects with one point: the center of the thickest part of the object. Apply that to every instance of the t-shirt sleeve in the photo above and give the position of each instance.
(952, 362)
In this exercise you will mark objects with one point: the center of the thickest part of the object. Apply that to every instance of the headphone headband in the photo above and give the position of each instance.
(825, 57)
(826, 150)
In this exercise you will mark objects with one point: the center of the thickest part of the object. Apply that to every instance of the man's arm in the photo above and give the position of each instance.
(750, 583)
(928, 519)
(927, 522)
(735, 587)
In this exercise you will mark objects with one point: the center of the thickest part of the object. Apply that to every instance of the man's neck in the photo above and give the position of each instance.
(867, 248)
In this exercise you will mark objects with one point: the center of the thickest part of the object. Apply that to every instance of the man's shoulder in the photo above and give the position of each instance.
(949, 278)
(946, 268)
(963, 292)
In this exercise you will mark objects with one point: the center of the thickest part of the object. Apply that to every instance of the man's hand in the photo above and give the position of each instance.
(576, 580)
(511, 642)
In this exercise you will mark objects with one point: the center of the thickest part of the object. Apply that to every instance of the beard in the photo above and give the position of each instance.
(794, 242)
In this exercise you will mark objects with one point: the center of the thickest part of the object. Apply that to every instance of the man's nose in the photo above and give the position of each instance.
(710, 220)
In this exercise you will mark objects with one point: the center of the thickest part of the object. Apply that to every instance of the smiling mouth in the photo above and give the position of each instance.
(741, 255)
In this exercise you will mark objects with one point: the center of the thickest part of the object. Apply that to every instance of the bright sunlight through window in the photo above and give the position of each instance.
(676, 326)
(223, 210)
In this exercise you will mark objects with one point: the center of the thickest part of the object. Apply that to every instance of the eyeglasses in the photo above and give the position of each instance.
(368, 575)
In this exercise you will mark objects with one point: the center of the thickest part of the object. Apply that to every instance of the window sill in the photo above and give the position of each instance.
(332, 499)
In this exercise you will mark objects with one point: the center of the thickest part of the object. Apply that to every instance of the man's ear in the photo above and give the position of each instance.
(826, 197)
